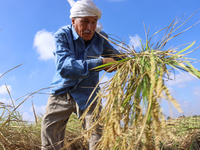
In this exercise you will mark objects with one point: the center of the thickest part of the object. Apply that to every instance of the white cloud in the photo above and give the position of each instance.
(104, 80)
(38, 109)
(197, 91)
(179, 79)
(4, 100)
(12, 78)
(172, 91)
(34, 73)
(27, 117)
(121, 48)
(134, 41)
(3, 89)
(181, 85)
(44, 44)
(102, 84)
(185, 104)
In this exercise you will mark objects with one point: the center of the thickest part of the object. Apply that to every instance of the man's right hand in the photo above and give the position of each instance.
(109, 60)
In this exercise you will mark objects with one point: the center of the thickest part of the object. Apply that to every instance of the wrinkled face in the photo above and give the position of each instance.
(85, 27)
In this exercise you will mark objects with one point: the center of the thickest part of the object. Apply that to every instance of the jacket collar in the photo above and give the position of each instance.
(75, 35)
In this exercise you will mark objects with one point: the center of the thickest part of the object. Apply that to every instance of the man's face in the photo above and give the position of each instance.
(85, 27)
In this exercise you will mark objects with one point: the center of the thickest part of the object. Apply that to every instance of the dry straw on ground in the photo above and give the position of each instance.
(17, 134)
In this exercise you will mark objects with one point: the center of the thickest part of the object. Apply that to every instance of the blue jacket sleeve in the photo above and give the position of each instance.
(67, 65)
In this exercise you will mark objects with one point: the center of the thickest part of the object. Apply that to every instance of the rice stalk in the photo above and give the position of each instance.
(10, 70)
(132, 117)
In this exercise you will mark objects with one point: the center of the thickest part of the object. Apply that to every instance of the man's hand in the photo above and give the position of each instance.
(109, 68)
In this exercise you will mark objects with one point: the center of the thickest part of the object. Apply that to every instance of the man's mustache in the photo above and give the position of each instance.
(88, 31)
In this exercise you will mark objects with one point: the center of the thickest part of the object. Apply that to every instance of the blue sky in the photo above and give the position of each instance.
(26, 35)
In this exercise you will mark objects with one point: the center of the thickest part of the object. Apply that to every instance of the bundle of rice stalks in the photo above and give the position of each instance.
(131, 115)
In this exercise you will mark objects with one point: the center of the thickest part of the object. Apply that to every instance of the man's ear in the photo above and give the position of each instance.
(73, 21)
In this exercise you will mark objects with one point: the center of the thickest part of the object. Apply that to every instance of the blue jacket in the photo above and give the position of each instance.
(74, 61)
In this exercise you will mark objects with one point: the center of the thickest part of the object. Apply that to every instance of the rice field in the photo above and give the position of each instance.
(20, 134)
(131, 117)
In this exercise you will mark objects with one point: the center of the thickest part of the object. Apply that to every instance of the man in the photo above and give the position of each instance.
(78, 51)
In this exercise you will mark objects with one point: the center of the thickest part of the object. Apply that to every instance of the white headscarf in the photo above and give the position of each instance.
(85, 8)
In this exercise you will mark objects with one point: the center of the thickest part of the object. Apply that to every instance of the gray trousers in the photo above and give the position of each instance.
(58, 110)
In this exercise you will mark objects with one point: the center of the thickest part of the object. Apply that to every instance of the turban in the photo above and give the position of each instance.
(85, 8)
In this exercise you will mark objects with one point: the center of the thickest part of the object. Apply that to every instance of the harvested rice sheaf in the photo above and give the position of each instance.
(131, 115)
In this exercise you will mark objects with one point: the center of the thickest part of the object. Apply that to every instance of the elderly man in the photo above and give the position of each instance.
(78, 50)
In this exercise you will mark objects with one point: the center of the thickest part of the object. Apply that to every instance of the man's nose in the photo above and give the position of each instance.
(90, 26)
